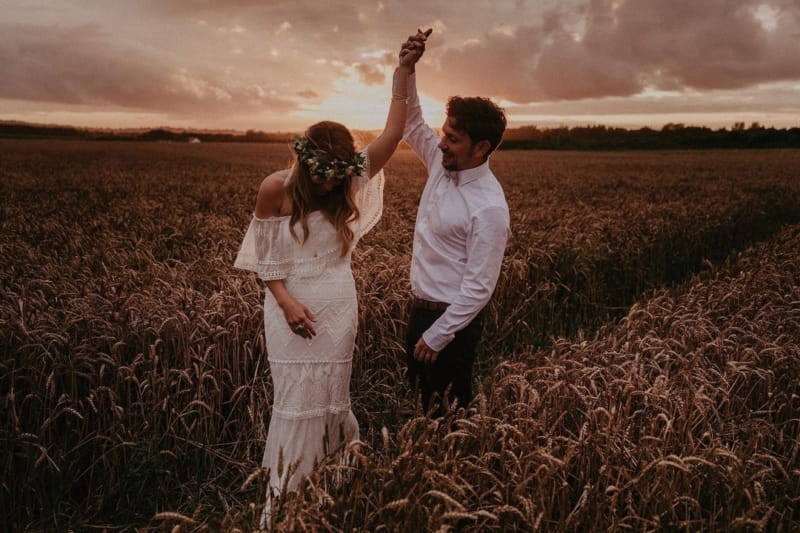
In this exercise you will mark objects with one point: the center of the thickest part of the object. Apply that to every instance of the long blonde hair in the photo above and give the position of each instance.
(330, 140)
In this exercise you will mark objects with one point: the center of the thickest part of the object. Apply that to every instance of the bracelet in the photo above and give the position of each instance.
(395, 95)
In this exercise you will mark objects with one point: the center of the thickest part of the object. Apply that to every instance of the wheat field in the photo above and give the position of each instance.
(638, 371)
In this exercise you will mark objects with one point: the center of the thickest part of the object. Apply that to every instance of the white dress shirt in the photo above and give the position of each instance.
(460, 234)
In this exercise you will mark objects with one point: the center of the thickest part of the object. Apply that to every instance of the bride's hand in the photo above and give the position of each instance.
(299, 318)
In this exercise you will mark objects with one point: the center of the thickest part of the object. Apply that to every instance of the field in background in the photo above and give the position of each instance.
(133, 371)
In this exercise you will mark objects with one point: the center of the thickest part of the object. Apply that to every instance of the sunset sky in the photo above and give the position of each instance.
(278, 65)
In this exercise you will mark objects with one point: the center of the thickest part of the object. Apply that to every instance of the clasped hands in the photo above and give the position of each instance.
(414, 47)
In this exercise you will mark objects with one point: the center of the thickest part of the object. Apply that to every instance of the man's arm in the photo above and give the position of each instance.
(419, 136)
(485, 250)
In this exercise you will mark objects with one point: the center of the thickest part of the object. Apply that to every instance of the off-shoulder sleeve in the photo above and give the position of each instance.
(369, 198)
(266, 248)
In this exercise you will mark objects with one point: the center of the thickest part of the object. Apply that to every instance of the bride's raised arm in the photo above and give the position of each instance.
(382, 148)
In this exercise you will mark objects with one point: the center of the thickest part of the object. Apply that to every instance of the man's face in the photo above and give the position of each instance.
(458, 150)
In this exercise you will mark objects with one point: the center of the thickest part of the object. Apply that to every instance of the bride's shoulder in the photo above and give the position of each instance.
(272, 195)
(279, 177)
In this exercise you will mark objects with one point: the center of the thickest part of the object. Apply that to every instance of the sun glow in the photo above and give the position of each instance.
(364, 107)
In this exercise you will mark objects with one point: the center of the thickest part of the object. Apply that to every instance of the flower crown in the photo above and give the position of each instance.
(326, 168)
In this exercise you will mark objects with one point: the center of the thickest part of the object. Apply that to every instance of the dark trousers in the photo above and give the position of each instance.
(452, 370)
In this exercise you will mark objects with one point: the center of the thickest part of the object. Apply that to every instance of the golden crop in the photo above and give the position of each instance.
(638, 369)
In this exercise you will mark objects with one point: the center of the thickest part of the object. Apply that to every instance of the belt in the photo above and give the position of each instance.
(419, 303)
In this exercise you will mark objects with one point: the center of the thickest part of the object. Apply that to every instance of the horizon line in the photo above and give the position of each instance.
(735, 123)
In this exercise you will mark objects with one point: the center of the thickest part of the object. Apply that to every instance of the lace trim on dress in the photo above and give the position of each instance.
(311, 361)
(369, 198)
(269, 249)
(310, 413)
(302, 391)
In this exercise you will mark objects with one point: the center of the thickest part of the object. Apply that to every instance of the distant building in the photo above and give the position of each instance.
(194, 140)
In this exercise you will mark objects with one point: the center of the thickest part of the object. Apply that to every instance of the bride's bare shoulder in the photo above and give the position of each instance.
(272, 195)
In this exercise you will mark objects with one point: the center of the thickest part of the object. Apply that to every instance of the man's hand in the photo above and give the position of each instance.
(424, 353)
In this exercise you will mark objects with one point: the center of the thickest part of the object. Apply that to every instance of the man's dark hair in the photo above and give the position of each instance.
(478, 117)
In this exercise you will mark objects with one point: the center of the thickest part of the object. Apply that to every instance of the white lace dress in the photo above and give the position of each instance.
(311, 414)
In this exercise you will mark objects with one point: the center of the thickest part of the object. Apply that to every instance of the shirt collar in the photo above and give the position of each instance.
(462, 177)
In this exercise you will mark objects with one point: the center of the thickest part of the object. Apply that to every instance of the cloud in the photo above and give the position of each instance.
(236, 60)
(712, 44)
(609, 48)
(782, 98)
(369, 74)
(85, 65)
(188, 57)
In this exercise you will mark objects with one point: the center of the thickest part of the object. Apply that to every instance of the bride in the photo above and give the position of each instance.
(307, 220)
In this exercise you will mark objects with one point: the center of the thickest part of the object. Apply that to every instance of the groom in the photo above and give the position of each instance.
(459, 240)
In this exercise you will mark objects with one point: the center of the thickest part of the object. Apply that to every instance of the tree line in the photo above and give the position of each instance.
(36, 131)
(670, 136)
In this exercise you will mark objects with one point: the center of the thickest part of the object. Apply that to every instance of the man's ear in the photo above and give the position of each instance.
(482, 148)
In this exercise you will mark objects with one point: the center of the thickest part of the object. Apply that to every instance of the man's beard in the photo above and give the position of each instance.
(452, 165)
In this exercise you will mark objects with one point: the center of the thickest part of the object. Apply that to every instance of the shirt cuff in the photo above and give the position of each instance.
(436, 342)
